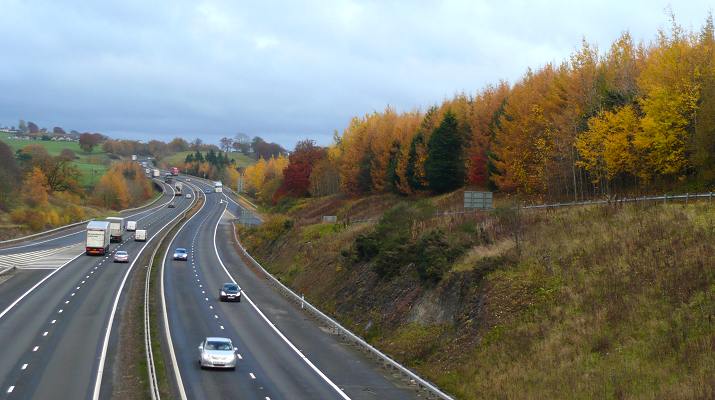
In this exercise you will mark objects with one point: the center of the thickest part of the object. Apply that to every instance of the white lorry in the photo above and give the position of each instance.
(140, 235)
(178, 187)
(131, 226)
(116, 228)
(134, 157)
(218, 187)
(155, 173)
(97, 238)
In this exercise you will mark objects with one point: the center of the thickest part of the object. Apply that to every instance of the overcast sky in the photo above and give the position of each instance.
(282, 70)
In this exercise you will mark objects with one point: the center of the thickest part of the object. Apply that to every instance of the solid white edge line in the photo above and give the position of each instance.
(275, 329)
(108, 332)
(167, 329)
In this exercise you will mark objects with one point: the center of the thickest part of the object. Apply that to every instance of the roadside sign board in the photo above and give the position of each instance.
(478, 200)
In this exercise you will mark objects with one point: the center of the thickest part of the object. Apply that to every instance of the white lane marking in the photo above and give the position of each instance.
(60, 311)
(221, 326)
(108, 329)
(35, 348)
(77, 287)
(24, 367)
(10, 389)
(252, 376)
(167, 330)
(83, 282)
(203, 292)
(268, 398)
(14, 303)
(53, 321)
(67, 301)
(73, 293)
(211, 307)
(239, 356)
(44, 333)
(215, 316)
(274, 328)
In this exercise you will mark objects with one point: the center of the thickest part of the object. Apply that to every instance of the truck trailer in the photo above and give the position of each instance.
(155, 173)
(131, 226)
(178, 188)
(116, 228)
(97, 242)
(140, 235)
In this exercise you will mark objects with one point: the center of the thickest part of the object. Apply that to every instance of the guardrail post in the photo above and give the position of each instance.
(665, 198)
(302, 301)
(710, 197)
(686, 198)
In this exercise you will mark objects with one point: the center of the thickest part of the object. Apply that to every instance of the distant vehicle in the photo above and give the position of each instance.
(218, 187)
(131, 226)
(168, 179)
(217, 352)
(180, 254)
(177, 188)
(188, 195)
(144, 164)
(140, 235)
(155, 173)
(97, 238)
(171, 205)
(174, 171)
(147, 171)
(188, 179)
(134, 157)
(116, 228)
(207, 191)
(229, 292)
(121, 256)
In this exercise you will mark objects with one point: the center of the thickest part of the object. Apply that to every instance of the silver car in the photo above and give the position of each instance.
(217, 352)
(121, 256)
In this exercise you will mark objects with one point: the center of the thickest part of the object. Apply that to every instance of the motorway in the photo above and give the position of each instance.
(55, 319)
(283, 354)
(58, 325)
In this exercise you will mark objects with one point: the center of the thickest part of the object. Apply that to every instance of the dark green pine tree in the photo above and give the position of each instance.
(393, 179)
(444, 167)
(411, 171)
(189, 158)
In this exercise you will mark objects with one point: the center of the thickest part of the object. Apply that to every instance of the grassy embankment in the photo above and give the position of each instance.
(596, 302)
(92, 165)
(177, 159)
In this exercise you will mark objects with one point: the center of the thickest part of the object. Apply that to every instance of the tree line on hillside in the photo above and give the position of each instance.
(639, 117)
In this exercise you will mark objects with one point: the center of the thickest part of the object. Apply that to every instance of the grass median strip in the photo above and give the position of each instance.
(133, 382)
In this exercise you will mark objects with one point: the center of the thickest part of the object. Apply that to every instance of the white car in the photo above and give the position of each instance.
(217, 352)
(188, 195)
(121, 256)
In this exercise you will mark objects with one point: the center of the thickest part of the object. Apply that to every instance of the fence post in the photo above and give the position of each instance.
(710, 197)
(686, 198)
(665, 199)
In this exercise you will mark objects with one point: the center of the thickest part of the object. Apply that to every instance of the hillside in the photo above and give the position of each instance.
(597, 302)
(92, 165)
(177, 159)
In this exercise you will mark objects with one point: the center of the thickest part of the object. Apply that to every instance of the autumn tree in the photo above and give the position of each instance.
(296, 176)
(88, 141)
(9, 173)
(35, 188)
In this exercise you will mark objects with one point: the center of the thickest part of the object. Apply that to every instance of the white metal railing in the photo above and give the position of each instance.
(430, 388)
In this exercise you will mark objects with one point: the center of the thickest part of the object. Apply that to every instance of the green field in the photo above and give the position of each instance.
(177, 159)
(92, 165)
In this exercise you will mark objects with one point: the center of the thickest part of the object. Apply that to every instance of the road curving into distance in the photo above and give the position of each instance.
(283, 354)
(55, 333)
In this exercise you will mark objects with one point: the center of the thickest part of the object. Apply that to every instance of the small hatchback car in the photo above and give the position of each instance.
(121, 256)
(229, 292)
(217, 352)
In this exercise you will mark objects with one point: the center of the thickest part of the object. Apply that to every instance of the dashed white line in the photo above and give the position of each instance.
(10, 389)
(53, 321)
(252, 376)
(67, 301)
(73, 293)
(215, 316)
(60, 311)
(221, 326)
(239, 356)
(35, 348)
(24, 367)
(44, 333)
